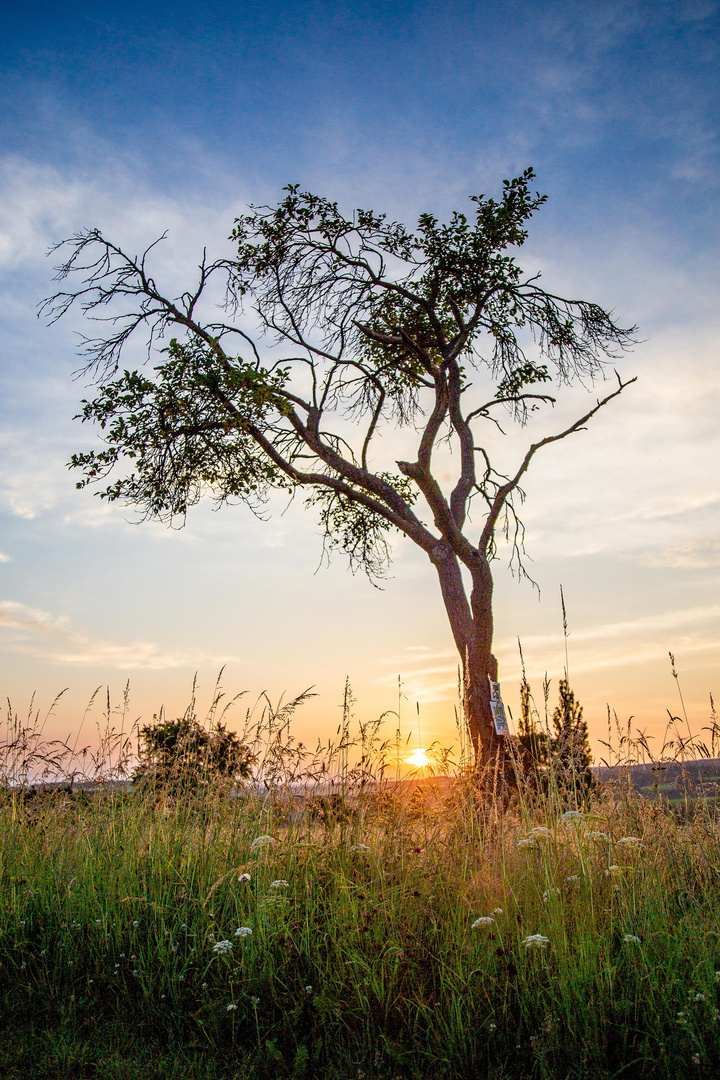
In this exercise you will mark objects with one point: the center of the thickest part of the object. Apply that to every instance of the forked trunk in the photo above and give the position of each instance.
(472, 627)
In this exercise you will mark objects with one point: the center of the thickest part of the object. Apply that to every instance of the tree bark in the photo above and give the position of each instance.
(471, 623)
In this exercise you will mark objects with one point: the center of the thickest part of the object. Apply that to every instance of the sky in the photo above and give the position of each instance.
(137, 119)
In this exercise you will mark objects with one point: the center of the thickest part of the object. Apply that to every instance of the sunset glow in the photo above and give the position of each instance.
(419, 759)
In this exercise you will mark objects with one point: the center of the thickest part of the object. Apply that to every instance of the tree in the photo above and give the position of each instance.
(382, 327)
(180, 754)
(570, 746)
(557, 760)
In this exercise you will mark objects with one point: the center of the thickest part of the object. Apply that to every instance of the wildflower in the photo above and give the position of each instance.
(262, 842)
(595, 835)
(255, 1001)
(541, 833)
(308, 989)
(613, 870)
(222, 947)
(699, 997)
(527, 842)
(231, 1007)
(497, 911)
(243, 879)
(97, 922)
(359, 847)
(279, 884)
(695, 1059)
(630, 842)
(493, 1027)
(536, 941)
(572, 880)
(243, 931)
(717, 976)
(571, 817)
(549, 893)
(484, 920)
(135, 922)
(631, 939)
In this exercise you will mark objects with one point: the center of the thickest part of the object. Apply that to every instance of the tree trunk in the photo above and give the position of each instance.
(472, 628)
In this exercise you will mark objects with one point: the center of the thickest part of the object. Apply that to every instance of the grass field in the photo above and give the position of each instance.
(387, 932)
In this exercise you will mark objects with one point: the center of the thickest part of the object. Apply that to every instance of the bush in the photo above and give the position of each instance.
(183, 754)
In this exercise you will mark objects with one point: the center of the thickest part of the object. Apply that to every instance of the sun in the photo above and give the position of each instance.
(419, 758)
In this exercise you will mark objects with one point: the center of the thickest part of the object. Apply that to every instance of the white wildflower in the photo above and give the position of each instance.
(540, 832)
(243, 879)
(536, 941)
(613, 871)
(262, 842)
(594, 834)
(572, 880)
(231, 1007)
(222, 947)
(527, 842)
(359, 847)
(550, 893)
(279, 884)
(135, 922)
(631, 939)
(699, 997)
(497, 911)
(572, 817)
(632, 842)
(308, 989)
(484, 920)
(243, 931)
(492, 1027)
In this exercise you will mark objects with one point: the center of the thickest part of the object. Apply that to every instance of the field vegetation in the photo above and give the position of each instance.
(316, 919)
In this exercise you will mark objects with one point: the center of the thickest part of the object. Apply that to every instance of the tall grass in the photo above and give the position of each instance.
(324, 923)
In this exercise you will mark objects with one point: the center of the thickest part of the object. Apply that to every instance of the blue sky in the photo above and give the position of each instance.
(138, 118)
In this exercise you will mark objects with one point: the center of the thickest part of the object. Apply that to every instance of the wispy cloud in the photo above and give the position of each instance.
(693, 555)
(4, 557)
(433, 676)
(53, 637)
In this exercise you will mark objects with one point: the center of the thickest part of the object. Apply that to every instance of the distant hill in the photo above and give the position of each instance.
(674, 780)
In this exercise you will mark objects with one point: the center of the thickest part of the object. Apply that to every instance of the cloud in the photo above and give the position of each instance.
(66, 645)
(433, 676)
(692, 555)
(4, 557)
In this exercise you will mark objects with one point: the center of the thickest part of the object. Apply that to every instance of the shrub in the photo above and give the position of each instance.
(182, 753)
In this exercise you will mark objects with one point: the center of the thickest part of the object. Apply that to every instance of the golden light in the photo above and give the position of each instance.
(419, 758)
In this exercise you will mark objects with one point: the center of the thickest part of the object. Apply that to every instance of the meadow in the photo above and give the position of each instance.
(323, 921)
